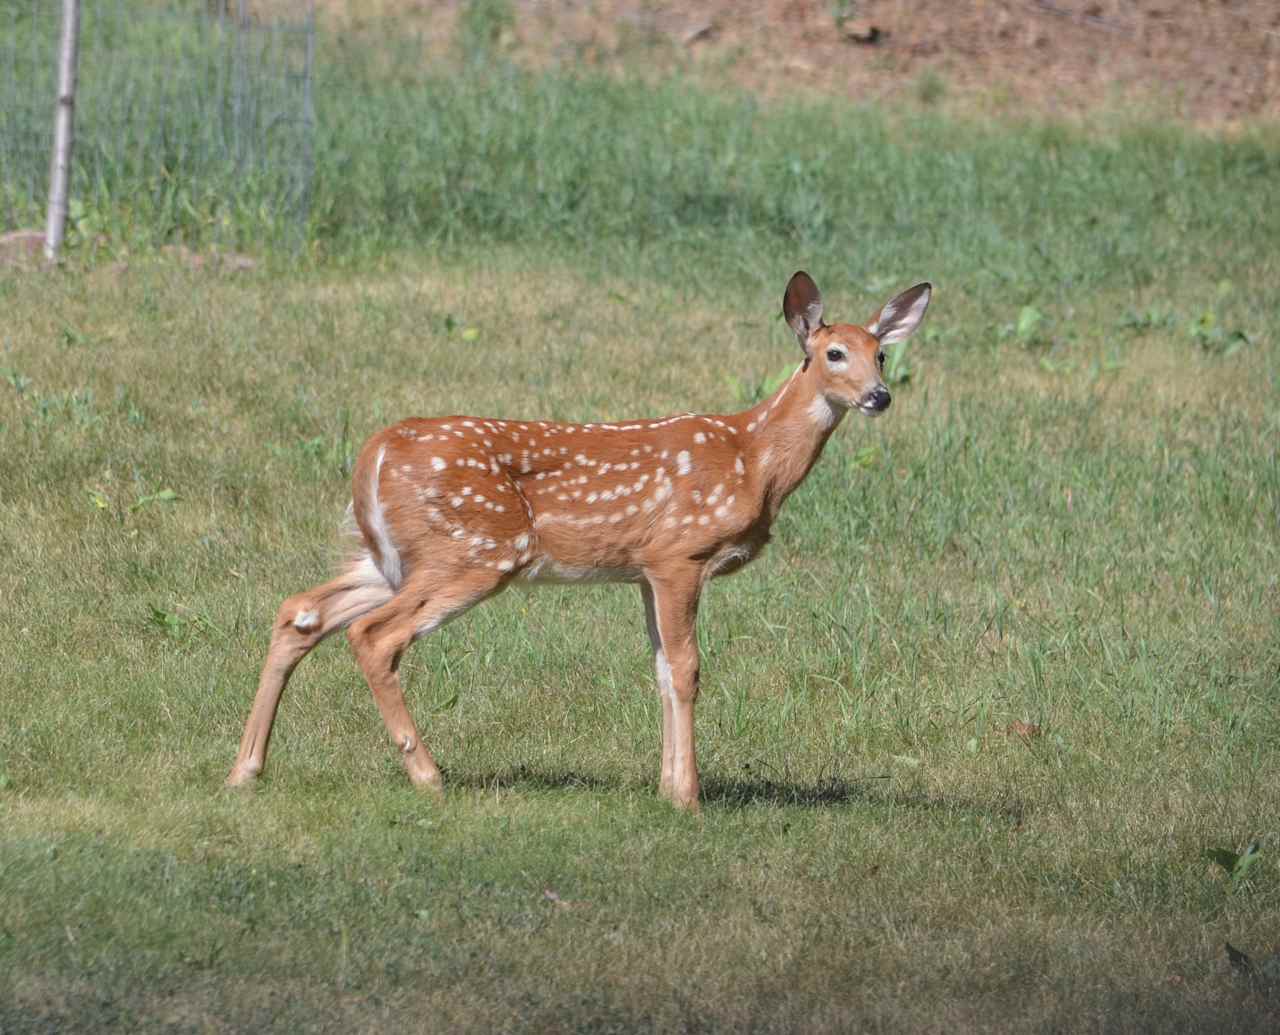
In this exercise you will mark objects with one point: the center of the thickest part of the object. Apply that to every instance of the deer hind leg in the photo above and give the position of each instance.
(380, 639)
(302, 622)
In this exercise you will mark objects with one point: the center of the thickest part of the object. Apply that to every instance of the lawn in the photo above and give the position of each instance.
(981, 733)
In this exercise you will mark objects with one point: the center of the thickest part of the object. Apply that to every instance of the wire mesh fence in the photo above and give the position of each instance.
(193, 117)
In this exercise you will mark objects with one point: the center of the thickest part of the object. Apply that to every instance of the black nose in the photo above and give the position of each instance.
(879, 398)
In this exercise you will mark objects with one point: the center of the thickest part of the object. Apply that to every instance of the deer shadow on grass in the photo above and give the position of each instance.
(833, 792)
(746, 791)
(524, 777)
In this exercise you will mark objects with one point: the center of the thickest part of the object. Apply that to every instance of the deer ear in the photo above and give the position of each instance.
(901, 315)
(802, 306)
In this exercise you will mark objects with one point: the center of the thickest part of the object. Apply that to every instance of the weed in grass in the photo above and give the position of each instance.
(1152, 318)
(1029, 330)
(931, 88)
(484, 26)
(897, 367)
(1236, 865)
(843, 12)
(1214, 339)
(19, 382)
(163, 496)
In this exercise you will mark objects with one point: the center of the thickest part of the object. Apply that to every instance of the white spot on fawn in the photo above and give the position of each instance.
(438, 464)
(699, 437)
(683, 465)
(305, 621)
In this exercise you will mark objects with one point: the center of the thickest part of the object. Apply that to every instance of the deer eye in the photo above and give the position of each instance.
(880, 359)
(835, 356)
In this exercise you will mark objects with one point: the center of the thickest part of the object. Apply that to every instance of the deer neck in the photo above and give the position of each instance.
(785, 435)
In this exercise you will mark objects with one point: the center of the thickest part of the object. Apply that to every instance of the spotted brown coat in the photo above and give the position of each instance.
(451, 510)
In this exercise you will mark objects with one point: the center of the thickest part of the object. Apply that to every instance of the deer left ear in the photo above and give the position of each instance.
(901, 315)
(802, 306)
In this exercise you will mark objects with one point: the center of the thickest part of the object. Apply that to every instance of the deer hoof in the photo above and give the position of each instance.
(242, 776)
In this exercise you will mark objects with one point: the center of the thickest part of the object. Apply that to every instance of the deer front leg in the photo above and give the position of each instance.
(665, 689)
(674, 608)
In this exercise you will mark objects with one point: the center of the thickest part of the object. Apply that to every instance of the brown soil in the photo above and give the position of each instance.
(1205, 61)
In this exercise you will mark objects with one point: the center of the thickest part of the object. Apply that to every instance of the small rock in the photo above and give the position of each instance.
(22, 248)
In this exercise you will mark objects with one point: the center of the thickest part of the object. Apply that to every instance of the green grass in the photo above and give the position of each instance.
(1089, 550)
(1070, 519)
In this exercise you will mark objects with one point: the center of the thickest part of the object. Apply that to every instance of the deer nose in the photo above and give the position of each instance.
(877, 400)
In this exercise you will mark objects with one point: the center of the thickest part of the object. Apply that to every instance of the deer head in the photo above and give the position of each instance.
(847, 361)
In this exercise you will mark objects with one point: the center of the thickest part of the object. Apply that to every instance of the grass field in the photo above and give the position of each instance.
(975, 732)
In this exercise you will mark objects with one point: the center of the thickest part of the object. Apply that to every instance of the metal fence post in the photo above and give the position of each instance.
(63, 130)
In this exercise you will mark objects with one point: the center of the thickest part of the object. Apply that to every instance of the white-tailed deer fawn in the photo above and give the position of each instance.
(452, 510)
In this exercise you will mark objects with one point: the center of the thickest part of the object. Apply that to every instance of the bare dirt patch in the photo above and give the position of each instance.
(1206, 61)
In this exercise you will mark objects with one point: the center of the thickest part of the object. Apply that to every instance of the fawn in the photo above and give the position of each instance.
(452, 510)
